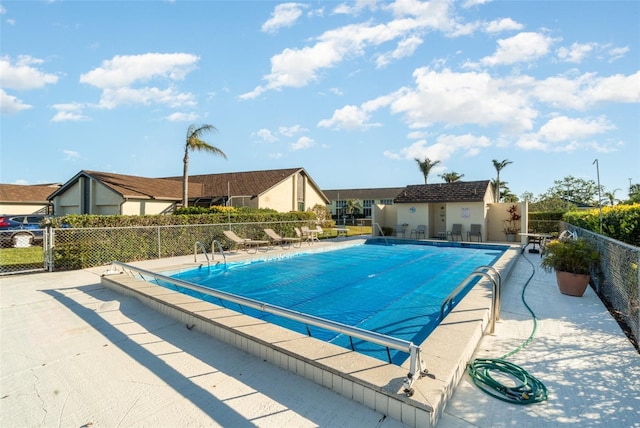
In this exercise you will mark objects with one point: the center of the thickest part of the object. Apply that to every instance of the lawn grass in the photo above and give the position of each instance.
(21, 256)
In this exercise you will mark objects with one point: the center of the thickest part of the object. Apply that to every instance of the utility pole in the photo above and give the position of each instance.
(599, 196)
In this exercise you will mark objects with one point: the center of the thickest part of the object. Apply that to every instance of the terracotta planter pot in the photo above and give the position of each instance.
(572, 284)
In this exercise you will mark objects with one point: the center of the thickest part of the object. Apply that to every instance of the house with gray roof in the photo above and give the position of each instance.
(438, 207)
(93, 192)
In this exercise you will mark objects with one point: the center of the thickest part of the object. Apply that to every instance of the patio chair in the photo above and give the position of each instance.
(456, 230)
(398, 229)
(475, 232)
(310, 235)
(303, 236)
(244, 243)
(420, 230)
(283, 241)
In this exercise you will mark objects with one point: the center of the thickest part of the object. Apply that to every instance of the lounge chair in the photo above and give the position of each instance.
(420, 230)
(302, 236)
(283, 241)
(244, 243)
(456, 230)
(475, 232)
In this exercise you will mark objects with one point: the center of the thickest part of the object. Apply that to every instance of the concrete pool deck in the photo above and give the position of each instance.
(75, 353)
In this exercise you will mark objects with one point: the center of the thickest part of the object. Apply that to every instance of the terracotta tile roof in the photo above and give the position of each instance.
(249, 183)
(26, 194)
(131, 186)
(362, 194)
(459, 191)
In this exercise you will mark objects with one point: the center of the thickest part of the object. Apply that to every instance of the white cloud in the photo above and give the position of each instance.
(445, 147)
(504, 24)
(112, 97)
(10, 104)
(297, 68)
(348, 117)
(355, 8)
(22, 74)
(302, 143)
(576, 52)
(182, 117)
(563, 128)
(617, 53)
(406, 47)
(464, 98)
(284, 15)
(587, 90)
(265, 135)
(523, 47)
(71, 155)
(125, 70)
(290, 131)
(70, 112)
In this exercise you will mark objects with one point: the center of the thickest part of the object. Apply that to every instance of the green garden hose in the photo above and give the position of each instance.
(525, 388)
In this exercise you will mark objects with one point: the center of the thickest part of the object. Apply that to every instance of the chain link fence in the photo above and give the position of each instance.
(79, 248)
(618, 280)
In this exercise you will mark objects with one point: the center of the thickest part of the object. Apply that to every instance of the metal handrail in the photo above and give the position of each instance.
(416, 365)
(495, 295)
(381, 232)
(195, 252)
(213, 250)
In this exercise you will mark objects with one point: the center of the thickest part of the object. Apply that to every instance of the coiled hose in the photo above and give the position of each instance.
(525, 388)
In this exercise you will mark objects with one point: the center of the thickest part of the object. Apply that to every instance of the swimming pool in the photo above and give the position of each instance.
(395, 290)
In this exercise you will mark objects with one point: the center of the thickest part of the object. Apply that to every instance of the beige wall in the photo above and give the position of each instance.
(412, 215)
(466, 213)
(68, 202)
(283, 196)
(279, 197)
(146, 207)
(496, 216)
(23, 208)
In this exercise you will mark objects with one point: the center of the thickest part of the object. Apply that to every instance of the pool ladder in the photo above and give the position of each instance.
(495, 296)
(200, 245)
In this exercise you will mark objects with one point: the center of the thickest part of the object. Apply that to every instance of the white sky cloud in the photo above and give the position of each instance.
(576, 52)
(70, 112)
(445, 147)
(22, 74)
(523, 47)
(406, 47)
(265, 135)
(504, 24)
(11, 105)
(303, 143)
(284, 15)
(182, 117)
(71, 155)
(348, 117)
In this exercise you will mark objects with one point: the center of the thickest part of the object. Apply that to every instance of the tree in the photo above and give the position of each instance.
(575, 190)
(499, 166)
(353, 208)
(195, 143)
(451, 177)
(611, 197)
(425, 166)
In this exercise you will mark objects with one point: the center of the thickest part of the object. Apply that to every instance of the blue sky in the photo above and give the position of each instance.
(352, 92)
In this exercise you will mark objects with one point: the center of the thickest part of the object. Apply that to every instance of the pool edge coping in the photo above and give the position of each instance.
(364, 379)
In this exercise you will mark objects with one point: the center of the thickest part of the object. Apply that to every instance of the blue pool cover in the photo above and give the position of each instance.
(395, 290)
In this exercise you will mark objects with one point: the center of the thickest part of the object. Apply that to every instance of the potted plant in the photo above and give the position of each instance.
(512, 224)
(572, 260)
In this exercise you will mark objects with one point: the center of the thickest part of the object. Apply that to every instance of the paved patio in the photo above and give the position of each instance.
(74, 353)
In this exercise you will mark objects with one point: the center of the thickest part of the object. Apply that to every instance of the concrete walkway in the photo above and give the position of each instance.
(75, 354)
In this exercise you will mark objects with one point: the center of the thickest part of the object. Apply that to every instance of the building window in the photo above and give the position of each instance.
(366, 207)
(340, 208)
(386, 201)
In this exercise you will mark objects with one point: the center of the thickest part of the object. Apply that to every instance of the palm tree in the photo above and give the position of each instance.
(498, 166)
(425, 166)
(451, 177)
(194, 142)
(611, 197)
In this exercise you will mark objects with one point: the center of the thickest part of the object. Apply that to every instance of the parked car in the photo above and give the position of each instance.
(21, 230)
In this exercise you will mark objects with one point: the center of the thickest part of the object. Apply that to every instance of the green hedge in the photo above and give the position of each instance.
(621, 222)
